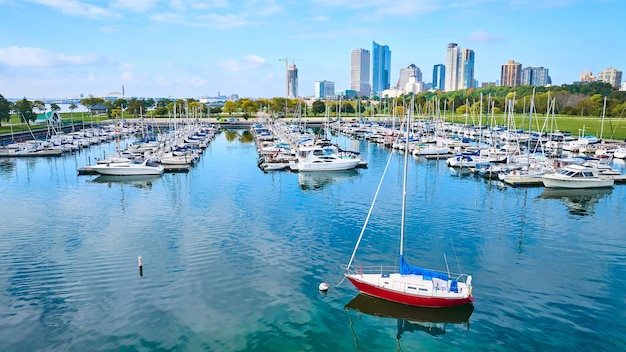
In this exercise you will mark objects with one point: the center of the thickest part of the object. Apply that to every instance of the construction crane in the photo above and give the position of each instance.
(287, 73)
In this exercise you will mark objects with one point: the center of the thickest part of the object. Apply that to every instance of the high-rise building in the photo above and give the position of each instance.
(467, 69)
(611, 76)
(381, 67)
(360, 72)
(439, 77)
(292, 81)
(324, 89)
(406, 73)
(452, 68)
(587, 76)
(511, 74)
(535, 76)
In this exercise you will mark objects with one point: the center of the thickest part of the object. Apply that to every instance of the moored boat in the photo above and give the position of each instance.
(131, 168)
(577, 176)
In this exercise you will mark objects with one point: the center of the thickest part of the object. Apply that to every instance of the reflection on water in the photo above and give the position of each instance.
(311, 181)
(579, 201)
(139, 181)
(432, 321)
(6, 166)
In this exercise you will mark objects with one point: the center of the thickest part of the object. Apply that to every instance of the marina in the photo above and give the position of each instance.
(232, 257)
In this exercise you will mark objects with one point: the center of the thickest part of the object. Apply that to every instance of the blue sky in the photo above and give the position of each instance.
(193, 48)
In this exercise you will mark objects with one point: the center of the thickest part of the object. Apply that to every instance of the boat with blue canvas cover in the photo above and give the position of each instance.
(404, 283)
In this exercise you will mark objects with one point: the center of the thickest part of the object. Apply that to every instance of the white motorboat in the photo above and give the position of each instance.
(577, 176)
(620, 153)
(328, 158)
(430, 149)
(131, 168)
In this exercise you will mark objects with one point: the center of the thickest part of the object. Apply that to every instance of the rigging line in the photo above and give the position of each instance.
(455, 257)
(369, 213)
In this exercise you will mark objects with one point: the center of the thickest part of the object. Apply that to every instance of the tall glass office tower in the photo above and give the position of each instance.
(467, 69)
(381, 67)
(360, 72)
(439, 77)
(452, 68)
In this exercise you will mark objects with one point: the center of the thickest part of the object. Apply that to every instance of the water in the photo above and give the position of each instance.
(232, 258)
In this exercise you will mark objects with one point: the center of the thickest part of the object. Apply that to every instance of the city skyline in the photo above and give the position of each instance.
(65, 48)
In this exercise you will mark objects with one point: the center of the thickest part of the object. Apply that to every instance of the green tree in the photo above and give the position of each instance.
(39, 106)
(24, 108)
(248, 106)
(230, 107)
(318, 107)
(5, 109)
(135, 106)
(91, 101)
(347, 107)
(55, 107)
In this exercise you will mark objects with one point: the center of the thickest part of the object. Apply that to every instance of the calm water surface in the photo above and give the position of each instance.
(232, 258)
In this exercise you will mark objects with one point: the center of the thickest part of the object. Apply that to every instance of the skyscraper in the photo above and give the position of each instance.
(360, 72)
(467, 69)
(535, 76)
(611, 76)
(405, 73)
(587, 76)
(324, 89)
(292, 81)
(381, 67)
(511, 74)
(439, 77)
(452, 67)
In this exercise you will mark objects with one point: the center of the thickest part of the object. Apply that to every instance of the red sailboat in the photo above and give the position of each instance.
(405, 283)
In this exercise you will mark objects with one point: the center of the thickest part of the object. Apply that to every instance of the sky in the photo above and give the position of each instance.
(193, 48)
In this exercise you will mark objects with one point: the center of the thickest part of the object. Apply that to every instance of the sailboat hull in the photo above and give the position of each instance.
(394, 295)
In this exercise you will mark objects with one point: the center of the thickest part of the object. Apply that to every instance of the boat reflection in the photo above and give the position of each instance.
(6, 166)
(310, 181)
(579, 201)
(139, 181)
(432, 321)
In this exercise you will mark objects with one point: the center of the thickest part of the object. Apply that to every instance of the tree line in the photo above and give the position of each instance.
(586, 99)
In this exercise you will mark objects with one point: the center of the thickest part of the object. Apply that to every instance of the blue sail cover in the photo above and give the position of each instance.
(406, 269)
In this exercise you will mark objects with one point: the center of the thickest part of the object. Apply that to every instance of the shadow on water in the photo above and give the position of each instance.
(139, 181)
(313, 181)
(580, 202)
(432, 321)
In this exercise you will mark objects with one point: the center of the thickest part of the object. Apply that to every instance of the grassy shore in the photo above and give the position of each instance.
(611, 128)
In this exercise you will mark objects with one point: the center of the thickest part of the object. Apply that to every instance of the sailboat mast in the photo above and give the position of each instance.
(404, 176)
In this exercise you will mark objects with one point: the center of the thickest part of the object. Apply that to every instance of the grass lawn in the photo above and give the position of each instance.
(613, 128)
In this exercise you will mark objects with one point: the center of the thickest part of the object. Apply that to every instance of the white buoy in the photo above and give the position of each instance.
(323, 287)
(140, 264)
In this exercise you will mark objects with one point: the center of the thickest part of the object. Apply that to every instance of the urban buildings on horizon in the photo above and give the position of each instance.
(381, 67)
(457, 73)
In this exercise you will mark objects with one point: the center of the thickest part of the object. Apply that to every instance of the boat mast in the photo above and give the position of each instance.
(404, 176)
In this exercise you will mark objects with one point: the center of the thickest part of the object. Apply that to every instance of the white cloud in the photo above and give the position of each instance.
(77, 8)
(249, 62)
(34, 57)
(135, 5)
(197, 81)
(109, 29)
(226, 21)
(481, 36)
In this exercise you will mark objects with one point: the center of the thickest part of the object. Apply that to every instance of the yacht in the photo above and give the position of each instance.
(577, 176)
(328, 158)
(130, 168)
